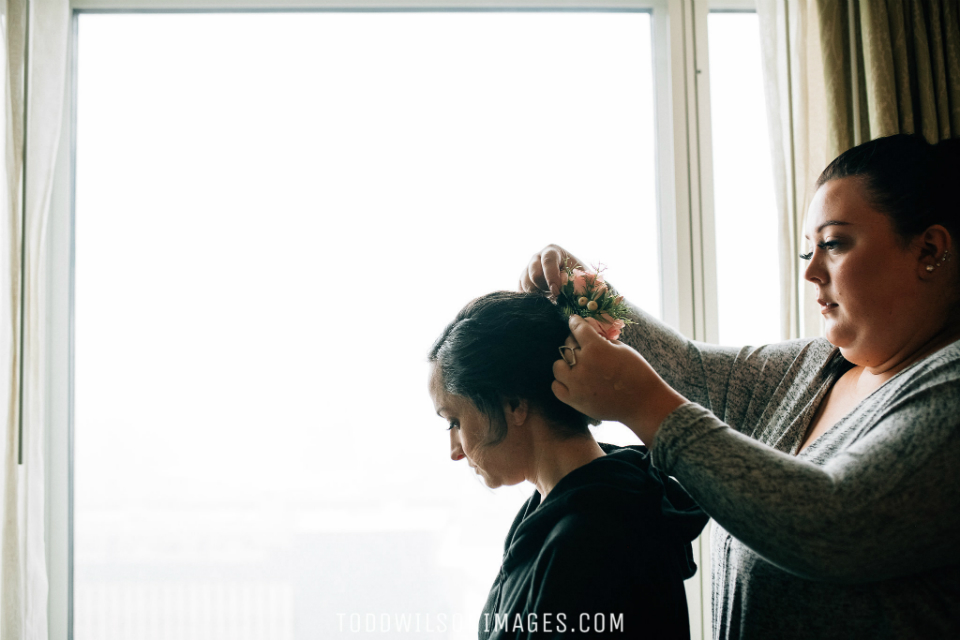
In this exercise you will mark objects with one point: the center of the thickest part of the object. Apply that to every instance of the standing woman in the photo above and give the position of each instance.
(832, 466)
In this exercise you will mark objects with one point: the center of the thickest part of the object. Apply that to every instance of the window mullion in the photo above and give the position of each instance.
(58, 418)
(687, 256)
(708, 316)
(688, 234)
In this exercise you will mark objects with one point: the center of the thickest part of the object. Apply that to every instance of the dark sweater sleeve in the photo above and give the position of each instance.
(599, 576)
(887, 505)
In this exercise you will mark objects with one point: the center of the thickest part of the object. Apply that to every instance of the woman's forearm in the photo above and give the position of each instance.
(883, 508)
(675, 358)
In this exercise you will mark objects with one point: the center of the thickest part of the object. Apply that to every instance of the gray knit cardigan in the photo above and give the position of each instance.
(858, 536)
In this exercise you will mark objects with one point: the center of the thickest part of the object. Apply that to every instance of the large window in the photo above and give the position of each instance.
(265, 220)
(276, 215)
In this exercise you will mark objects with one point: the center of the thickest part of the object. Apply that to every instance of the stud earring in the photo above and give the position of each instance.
(944, 258)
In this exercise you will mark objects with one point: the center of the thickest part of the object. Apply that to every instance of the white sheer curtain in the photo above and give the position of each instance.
(797, 117)
(35, 41)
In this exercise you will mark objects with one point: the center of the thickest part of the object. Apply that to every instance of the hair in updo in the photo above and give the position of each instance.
(915, 183)
(502, 347)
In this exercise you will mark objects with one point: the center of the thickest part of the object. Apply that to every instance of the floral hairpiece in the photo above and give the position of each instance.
(583, 292)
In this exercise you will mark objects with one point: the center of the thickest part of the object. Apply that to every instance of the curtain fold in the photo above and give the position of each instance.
(891, 66)
(795, 97)
(35, 46)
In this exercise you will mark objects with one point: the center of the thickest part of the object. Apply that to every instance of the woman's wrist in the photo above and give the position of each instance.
(653, 411)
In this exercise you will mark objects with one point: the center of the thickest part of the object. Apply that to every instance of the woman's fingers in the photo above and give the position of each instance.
(535, 280)
(532, 273)
(543, 271)
(568, 352)
(583, 334)
(586, 385)
(550, 260)
(608, 381)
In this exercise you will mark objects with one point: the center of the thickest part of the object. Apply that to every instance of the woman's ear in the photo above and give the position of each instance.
(933, 244)
(515, 411)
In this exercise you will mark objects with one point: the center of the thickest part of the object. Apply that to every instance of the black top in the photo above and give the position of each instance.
(604, 556)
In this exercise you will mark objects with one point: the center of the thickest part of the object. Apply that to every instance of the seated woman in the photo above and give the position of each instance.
(603, 545)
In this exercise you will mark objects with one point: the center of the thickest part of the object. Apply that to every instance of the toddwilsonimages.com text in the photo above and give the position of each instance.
(442, 622)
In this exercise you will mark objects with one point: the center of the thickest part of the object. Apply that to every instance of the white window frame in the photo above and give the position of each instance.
(685, 214)
(703, 285)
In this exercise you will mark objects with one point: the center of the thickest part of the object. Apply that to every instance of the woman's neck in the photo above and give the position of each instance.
(876, 376)
(555, 458)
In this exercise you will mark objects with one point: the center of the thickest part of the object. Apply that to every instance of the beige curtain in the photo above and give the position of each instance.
(796, 118)
(34, 44)
(891, 66)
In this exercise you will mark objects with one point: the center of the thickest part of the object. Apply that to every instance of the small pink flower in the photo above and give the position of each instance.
(613, 330)
(599, 291)
(592, 278)
(610, 328)
(579, 282)
(593, 322)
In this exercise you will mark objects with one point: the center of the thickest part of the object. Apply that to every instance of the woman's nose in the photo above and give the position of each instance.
(815, 271)
(456, 451)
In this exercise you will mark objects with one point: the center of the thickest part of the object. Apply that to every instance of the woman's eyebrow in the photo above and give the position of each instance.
(831, 223)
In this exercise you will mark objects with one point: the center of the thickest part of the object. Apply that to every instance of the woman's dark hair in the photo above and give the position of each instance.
(914, 182)
(502, 347)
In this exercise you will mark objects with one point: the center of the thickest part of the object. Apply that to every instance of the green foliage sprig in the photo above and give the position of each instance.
(584, 292)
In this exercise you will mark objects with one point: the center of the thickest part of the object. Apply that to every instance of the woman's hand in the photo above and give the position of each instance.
(543, 272)
(611, 381)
